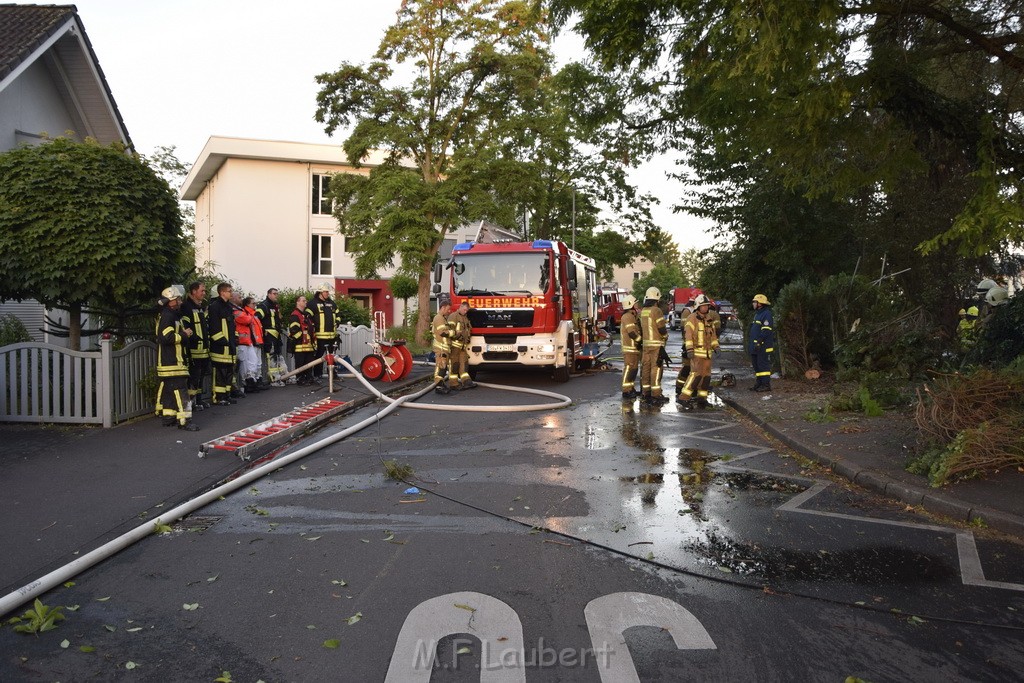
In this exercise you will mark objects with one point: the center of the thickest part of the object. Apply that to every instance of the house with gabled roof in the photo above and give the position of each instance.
(51, 84)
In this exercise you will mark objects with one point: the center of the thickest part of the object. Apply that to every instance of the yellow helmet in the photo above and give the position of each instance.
(972, 312)
(629, 302)
(762, 299)
(962, 312)
(653, 293)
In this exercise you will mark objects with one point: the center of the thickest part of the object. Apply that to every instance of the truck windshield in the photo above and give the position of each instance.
(502, 274)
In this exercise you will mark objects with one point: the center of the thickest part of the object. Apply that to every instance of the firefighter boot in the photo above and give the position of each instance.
(170, 421)
(188, 426)
(764, 387)
(442, 388)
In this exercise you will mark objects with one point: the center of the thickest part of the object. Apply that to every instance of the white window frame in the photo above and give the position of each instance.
(321, 206)
(316, 257)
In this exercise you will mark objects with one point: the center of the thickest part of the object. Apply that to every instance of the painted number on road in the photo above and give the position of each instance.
(503, 656)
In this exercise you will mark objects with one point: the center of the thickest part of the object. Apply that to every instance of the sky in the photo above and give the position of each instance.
(183, 70)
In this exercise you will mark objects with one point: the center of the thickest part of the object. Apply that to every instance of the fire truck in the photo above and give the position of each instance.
(609, 311)
(530, 303)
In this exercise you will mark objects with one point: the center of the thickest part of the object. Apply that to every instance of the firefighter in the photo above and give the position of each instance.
(629, 330)
(965, 331)
(700, 343)
(222, 344)
(269, 313)
(684, 369)
(301, 339)
(325, 316)
(762, 343)
(171, 362)
(195, 320)
(459, 325)
(654, 332)
(441, 334)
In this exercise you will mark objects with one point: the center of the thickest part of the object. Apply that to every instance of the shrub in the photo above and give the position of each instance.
(13, 331)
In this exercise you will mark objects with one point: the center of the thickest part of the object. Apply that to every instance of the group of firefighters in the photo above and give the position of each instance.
(644, 333)
(451, 332)
(231, 336)
(973, 317)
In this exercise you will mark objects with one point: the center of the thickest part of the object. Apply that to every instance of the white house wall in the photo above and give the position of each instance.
(254, 223)
(32, 105)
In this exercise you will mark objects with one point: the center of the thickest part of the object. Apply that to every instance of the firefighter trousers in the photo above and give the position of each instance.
(650, 371)
(171, 398)
(699, 381)
(630, 368)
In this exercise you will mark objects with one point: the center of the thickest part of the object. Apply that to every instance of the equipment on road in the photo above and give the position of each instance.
(389, 359)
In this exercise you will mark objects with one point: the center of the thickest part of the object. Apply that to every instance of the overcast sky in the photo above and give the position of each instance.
(183, 70)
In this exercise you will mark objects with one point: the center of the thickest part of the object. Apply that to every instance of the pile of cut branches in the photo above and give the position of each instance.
(969, 425)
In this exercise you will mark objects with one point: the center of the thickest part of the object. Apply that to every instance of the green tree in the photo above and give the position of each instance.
(663, 276)
(165, 162)
(80, 224)
(472, 66)
(838, 98)
(404, 287)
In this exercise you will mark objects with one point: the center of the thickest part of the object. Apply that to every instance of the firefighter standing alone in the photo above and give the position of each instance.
(629, 329)
(762, 343)
(655, 332)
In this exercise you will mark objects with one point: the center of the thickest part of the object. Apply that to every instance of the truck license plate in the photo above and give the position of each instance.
(501, 347)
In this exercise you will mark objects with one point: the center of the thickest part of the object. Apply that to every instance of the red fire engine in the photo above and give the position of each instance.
(530, 303)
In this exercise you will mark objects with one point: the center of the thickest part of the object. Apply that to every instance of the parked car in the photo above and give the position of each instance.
(726, 310)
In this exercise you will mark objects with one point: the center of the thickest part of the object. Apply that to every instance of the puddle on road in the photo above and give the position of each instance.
(891, 565)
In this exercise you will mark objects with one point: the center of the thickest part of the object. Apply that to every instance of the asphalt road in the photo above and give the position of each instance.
(604, 541)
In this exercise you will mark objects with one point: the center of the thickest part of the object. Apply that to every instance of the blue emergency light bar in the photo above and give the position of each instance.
(464, 246)
(543, 244)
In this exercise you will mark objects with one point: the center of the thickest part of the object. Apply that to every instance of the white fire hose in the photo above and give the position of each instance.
(58, 576)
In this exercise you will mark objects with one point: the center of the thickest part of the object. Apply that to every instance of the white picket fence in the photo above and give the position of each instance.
(355, 342)
(47, 383)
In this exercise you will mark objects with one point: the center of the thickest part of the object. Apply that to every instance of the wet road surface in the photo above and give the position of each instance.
(606, 541)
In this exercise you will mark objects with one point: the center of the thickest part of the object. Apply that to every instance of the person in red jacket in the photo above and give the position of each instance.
(250, 342)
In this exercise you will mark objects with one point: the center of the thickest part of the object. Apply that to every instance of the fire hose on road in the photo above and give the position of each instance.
(60, 575)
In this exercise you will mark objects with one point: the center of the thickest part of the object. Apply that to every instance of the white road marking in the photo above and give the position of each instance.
(609, 616)
(492, 621)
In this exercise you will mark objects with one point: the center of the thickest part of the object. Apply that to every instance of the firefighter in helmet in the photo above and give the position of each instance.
(684, 368)
(700, 342)
(172, 362)
(654, 332)
(442, 348)
(629, 329)
(762, 343)
(462, 332)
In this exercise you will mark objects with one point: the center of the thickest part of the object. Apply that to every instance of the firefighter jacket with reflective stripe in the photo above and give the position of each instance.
(170, 349)
(762, 332)
(269, 314)
(194, 317)
(700, 336)
(630, 331)
(442, 333)
(461, 329)
(222, 331)
(300, 329)
(325, 316)
(652, 327)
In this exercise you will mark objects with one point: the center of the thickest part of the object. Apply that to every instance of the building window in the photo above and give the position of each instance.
(321, 203)
(321, 256)
(636, 276)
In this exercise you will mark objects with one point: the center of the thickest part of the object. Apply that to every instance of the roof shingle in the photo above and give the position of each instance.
(23, 28)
